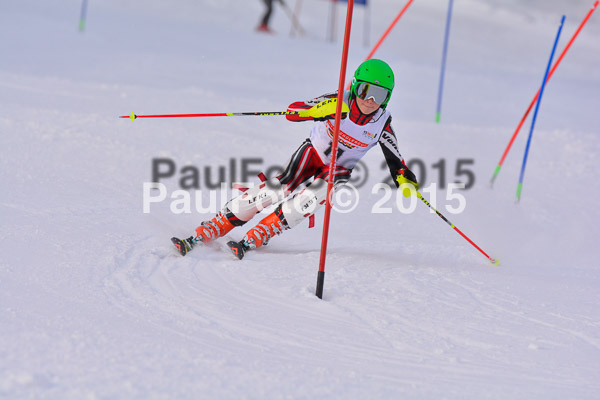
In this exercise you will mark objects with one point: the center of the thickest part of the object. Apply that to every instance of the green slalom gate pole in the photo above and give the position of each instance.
(535, 112)
(535, 98)
(438, 112)
(82, 17)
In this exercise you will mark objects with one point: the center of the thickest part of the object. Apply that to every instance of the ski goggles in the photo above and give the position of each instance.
(366, 91)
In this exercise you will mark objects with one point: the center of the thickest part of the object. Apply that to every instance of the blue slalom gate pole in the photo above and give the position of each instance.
(442, 72)
(537, 107)
(83, 14)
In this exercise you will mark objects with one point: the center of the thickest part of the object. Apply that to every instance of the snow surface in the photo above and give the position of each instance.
(96, 304)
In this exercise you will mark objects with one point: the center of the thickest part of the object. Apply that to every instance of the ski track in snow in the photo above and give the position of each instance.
(96, 304)
(154, 286)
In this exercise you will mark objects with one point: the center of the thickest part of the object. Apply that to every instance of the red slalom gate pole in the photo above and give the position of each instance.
(514, 136)
(334, 145)
(389, 29)
(387, 32)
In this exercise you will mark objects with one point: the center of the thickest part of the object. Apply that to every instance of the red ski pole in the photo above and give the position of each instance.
(514, 136)
(324, 109)
(494, 261)
(133, 116)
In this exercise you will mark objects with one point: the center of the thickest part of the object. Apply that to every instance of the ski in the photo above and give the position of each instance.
(237, 249)
(184, 246)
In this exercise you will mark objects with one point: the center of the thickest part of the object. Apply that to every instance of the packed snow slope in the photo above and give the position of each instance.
(96, 304)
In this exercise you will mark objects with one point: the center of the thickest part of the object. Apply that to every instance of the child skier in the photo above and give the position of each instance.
(366, 123)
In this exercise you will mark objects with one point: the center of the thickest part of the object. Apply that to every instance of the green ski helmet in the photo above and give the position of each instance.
(373, 78)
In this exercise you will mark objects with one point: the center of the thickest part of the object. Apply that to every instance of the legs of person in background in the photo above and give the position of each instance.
(264, 24)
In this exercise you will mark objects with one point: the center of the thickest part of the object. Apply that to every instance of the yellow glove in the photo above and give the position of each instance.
(406, 177)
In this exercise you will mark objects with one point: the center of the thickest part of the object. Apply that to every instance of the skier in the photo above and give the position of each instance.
(366, 123)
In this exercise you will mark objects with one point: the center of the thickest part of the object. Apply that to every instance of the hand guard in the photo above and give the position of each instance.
(406, 177)
(325, 110)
